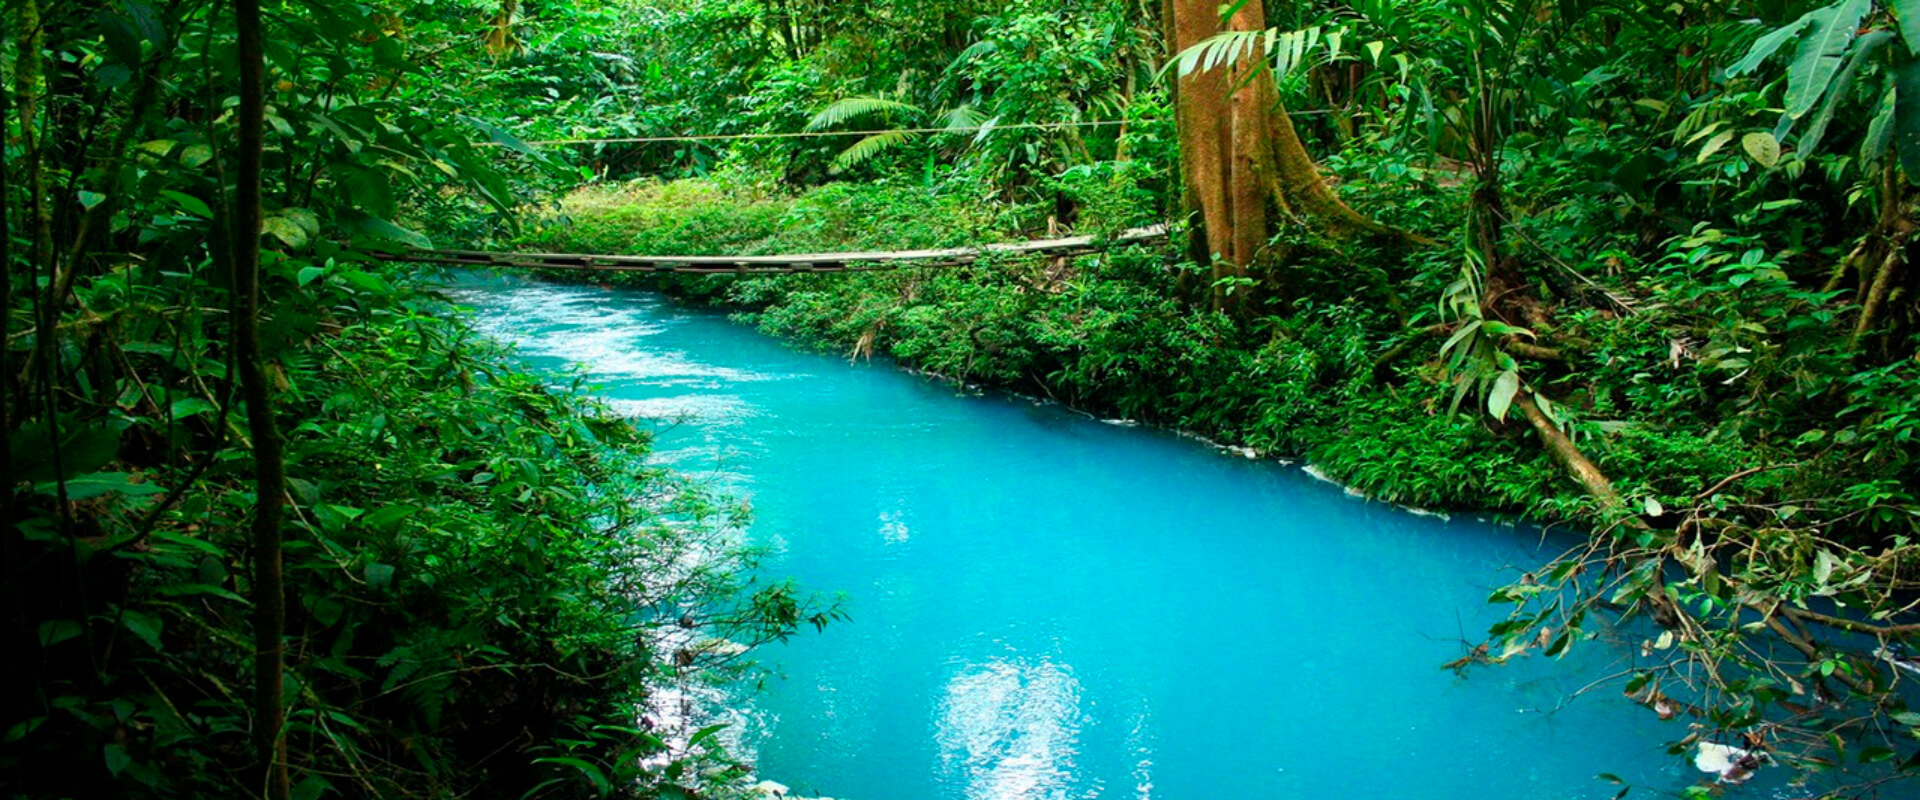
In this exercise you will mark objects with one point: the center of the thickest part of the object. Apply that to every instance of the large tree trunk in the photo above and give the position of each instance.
(1243, 165)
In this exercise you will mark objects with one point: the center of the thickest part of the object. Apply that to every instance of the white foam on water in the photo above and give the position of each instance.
(1011, 730)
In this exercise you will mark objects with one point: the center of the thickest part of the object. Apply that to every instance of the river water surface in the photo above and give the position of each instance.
(1050, 606)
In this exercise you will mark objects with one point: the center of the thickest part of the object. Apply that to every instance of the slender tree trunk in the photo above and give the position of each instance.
(269, 593)
(1881, 258)
(21, 663)
(29, 79)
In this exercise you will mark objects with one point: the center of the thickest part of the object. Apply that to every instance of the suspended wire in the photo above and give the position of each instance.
(734, 137)
(822, 134)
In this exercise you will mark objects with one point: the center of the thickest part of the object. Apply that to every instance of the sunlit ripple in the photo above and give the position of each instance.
(1010, 730)
(606, 337)
(893, 527)
(708, 410)
(1140, 739)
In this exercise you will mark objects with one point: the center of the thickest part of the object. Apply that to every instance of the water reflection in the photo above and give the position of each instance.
(1010, 729)
(893, 527)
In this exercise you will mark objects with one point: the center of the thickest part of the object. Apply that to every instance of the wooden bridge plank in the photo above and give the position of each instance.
(801, 262)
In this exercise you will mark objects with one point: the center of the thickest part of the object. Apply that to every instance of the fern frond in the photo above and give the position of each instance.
(869, 147)
(852, 107)
(962, 119)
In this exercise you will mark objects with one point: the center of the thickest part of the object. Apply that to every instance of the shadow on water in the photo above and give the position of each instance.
(1048, 606)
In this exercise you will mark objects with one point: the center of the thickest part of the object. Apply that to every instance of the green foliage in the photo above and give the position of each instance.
(483, 578)
(1640, 211)
(1680, 232)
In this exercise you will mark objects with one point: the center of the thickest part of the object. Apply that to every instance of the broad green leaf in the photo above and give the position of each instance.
(307, 220)
(379, 576)
(190, 407)
(1906, 118)
(1823, 565)
(1820, 54)
(309, 274)
(1501, 398)
(585, 768)
(1713, 146)
(117, 759)
(1461, 335)
(1762, 148)
(1876, 754)
(1559, 645)
(1704, 132)
(1906, 13)
(1880, 131)
(53, 632)
(367, 282)
(189, 203)
(312, 788)
(1817, 129)
(286, 230)
(144, 625)
(90, 199)
(385, 518)
(20, 730)
(502, 137)
(377, 228)
(1767, 45)
(88, 487)
(190, 589)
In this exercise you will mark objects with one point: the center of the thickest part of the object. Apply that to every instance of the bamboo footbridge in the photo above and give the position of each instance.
(805, 262)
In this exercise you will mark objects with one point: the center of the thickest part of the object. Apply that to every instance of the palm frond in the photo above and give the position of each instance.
(853, 107)
(869, 147)
(973, 51)
(964, 118)
(1228, 48)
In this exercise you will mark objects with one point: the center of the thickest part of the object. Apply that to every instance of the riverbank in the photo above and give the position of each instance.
(1739, 462)
(1046, 604)
(1105, 334)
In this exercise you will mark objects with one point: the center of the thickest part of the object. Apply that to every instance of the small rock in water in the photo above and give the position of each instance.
(770, 789)
(1899, 660)
(1732, 764)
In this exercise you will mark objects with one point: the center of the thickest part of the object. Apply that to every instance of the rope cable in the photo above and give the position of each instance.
(819, 134)
(730, 137)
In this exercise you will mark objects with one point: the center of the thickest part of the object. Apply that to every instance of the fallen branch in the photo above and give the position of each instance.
(1725, 482)
(1851, 626)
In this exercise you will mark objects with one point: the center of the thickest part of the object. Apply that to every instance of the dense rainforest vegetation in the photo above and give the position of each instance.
(278, 524)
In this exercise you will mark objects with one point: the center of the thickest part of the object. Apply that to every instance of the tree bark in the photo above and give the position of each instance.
(269, 593)
(1244, 167)
(1582, 470)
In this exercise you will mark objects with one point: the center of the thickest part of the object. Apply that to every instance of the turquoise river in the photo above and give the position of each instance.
(1046, 605)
